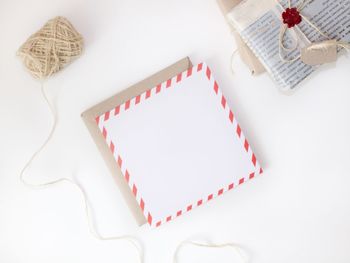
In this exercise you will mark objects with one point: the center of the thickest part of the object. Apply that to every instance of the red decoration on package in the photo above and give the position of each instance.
(291, 17)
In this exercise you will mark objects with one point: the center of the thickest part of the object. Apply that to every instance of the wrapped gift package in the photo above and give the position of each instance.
(245, 53)
(259, 23)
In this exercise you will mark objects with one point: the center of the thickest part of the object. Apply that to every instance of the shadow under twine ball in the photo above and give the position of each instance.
(51, 48)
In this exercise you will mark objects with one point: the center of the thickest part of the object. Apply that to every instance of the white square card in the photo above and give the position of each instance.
(178, 145)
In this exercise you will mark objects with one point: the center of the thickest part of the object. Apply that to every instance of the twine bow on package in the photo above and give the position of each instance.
(292, 38)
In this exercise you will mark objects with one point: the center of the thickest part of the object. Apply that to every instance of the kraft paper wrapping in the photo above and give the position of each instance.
(246, 54)
(89, 117)
(283, 50)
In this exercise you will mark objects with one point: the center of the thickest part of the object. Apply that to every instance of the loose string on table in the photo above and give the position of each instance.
(238, 250)
(134, 241)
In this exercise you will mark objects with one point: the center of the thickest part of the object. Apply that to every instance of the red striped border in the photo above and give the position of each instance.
(156, 90)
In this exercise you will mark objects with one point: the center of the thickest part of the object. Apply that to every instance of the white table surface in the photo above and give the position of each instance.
(299, 211)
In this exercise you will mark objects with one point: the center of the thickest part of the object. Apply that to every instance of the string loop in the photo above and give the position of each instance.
(284, 29)
(134, 241)
(232, 246)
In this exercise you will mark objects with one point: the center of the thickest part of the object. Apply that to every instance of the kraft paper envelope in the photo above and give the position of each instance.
(89, 117)
(175, 142)
(245, 52)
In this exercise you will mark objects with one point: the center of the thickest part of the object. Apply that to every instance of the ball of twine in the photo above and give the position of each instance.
(51, 48)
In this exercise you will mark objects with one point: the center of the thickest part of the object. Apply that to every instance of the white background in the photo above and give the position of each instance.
(299, 211)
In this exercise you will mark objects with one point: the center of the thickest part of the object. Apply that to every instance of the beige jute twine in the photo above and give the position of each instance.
(46, 52)
(51, 48)
(235, 248)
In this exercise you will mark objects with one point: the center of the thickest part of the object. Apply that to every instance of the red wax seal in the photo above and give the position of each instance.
(291, 17)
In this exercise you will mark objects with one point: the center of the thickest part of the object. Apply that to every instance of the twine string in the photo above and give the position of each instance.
(307, 20)
(44, 53)
(284, 29)
(51, 48)
(343, 45)
(88, 214)
(233, 55)
(232, 246)
(330, 43)
(302, 4)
